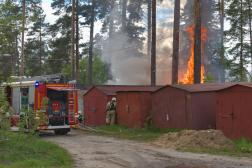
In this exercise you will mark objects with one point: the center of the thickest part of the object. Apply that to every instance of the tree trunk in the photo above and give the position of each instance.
(22, 64)
(17, 61)
(175, 56)
(77, 42)
(197, 42)
(40, 46)
(124, 14)
(91, 41)
(111, 19)
(153, 47)
(250, 28)
(222, 73)
(149, 29)
(242, 75)
(73, 56)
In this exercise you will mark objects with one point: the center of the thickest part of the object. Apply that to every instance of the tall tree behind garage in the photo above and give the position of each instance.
(249, 3)
(153, 47)
(77, 63)
(91, 43)
(197, 39)
(124, 14)
(176, 29)
(149, 28)
(222, 50)
(73, 56)
(22, 66)
(237, 34)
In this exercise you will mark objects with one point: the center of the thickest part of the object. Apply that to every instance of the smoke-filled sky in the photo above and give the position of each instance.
(164, 41)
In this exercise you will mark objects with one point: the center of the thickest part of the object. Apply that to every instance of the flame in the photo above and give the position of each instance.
(189, 75)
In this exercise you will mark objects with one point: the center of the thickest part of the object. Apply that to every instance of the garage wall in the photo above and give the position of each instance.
(234, 112)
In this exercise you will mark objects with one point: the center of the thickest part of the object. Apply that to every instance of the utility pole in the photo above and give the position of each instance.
(197, 42)
(73, 56)
(91, 43)
(22, 64)
(176, 28)
(153, 46)
(77, 42)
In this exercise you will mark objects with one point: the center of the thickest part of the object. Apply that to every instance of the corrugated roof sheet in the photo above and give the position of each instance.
(112, 89)
(245, 84)
(204, 87)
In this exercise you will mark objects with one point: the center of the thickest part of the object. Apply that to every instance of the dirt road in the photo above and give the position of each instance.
(92, 151)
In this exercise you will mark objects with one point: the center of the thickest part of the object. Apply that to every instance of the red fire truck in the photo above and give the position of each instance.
(62, 103)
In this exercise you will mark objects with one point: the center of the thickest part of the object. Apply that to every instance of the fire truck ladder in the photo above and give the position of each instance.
(71, 108)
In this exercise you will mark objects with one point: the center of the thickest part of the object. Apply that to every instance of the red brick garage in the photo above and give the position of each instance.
(186, 106)
(234, 112)
(134, 107)
(96, 99)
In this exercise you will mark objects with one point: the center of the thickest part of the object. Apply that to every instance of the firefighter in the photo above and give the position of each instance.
(111, 111)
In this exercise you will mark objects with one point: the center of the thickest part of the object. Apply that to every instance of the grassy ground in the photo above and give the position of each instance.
(139, 134)
(28, 151)
(243, 148)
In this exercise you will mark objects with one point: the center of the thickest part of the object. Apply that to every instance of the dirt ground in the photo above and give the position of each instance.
(92, 151)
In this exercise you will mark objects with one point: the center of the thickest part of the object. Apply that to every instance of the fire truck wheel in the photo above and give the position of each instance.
(61, 131)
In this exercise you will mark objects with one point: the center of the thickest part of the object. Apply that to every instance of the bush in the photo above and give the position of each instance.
(243, 145)
(4, 112)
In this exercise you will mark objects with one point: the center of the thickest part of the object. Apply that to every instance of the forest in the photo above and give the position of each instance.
(126, 50)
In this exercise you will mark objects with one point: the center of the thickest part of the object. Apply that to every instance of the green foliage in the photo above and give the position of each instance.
(10, 18)
(244, 146)
(29, 151)
(209, 78)
(4, 112)
(239, 50)
(100, 70)
(28, 122)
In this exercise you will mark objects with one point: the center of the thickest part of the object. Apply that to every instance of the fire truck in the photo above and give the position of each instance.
(61, 109)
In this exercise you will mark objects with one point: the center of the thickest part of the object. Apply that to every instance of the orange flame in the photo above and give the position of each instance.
(189, 75)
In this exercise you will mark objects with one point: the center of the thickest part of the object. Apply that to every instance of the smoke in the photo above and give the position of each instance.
(164, 53)
(127, 67)
(122, 54)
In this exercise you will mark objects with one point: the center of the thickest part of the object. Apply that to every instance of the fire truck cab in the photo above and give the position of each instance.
(61, 109)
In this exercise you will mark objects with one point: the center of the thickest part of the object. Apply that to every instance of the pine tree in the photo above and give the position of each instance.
(91, 42)
(60, 43)
(239, 49)
(197, 41)
(10, 19)
(36, 45)
(176, 28)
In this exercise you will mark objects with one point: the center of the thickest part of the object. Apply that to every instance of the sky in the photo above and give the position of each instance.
(164, 15)
(50, 18)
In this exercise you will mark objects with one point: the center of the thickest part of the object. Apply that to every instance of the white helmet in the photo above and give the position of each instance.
(113, 99)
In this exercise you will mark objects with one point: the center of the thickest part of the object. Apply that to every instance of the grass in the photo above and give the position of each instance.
(28, 151)
(138, 134)
(242, 148)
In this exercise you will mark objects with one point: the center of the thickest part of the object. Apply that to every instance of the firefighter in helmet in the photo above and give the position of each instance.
(111, 111)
